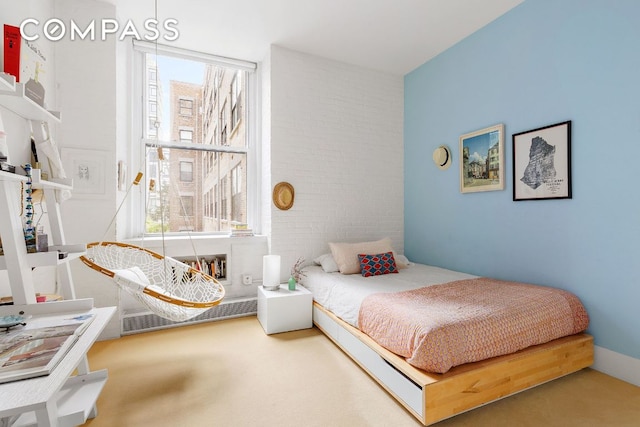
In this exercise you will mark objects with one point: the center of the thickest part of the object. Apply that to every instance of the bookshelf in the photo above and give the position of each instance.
(213, 265)
(14, 98)
(60, 398)
(7, 83)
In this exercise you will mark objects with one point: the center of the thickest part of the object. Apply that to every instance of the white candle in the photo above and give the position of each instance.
(271, 272)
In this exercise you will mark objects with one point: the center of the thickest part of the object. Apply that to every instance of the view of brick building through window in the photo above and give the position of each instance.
(201, 181)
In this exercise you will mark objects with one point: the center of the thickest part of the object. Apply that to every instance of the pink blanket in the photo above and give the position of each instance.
(441, 326)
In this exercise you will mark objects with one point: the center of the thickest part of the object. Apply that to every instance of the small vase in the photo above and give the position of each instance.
(292, 284)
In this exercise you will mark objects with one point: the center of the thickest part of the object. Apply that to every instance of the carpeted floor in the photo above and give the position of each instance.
(229, 373)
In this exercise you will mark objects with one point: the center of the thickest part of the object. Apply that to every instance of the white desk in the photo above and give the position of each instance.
(59, 399)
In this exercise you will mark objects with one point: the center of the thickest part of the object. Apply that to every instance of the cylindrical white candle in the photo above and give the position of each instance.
(271, 272)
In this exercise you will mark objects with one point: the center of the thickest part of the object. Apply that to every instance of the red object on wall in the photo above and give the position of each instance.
(12, 42)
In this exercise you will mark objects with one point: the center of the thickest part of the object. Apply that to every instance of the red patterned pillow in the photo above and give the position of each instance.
(375, 265)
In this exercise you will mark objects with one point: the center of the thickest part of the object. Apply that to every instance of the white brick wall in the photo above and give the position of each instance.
(336, 136)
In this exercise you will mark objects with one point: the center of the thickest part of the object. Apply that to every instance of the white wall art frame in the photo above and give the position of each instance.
(87, 169)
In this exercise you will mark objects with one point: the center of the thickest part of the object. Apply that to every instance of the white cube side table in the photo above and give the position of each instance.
(284, 310)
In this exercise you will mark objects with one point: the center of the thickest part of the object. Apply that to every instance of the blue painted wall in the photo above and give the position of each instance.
(544, 62)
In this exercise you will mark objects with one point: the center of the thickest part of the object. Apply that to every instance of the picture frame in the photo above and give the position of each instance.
(482, 160)
(542, 163)
(87, 169)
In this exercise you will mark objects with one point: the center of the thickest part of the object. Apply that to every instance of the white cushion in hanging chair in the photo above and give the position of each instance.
(132, 277)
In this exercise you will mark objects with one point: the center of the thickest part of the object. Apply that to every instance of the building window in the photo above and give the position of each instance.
(223, 124)
(186, 207)
(235, 99)
(201, 155)
(186, 171)
(237, 190)
(186, 107)
(186, 135)
(224, 196)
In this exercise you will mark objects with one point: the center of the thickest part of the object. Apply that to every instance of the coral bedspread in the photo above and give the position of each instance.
(441, 326)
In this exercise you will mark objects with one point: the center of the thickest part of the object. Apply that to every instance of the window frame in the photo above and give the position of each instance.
(185, 106)
(135, 226)
(184, 131)
(185, 175)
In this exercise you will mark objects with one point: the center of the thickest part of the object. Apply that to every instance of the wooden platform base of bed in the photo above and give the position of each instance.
(434, 397)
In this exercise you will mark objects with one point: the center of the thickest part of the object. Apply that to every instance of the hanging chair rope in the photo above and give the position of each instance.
(169, 288)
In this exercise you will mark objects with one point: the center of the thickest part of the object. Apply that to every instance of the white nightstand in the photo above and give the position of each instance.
(284, 310)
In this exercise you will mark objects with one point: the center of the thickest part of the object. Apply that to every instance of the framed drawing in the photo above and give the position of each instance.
(542, 163)
(87, 169)
(482, 160)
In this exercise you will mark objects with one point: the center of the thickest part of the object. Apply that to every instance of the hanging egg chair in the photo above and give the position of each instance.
(167, 287)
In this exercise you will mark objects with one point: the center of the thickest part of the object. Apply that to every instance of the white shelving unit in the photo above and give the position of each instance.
(16, 260)
(57, 399)
(7, 83)
(13, 97)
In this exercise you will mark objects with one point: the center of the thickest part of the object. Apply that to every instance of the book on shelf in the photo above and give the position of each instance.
(35, 349)
(214, 266)
(241, 232)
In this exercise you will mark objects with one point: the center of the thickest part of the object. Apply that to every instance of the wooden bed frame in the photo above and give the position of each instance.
(435, 397)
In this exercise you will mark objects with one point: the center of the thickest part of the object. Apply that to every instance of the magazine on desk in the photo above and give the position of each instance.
(35, 349)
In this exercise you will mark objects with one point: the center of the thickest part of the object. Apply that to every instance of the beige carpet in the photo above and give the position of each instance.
(229, 373)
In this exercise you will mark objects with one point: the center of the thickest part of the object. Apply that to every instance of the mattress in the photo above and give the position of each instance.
(342, 294)
(437, 318)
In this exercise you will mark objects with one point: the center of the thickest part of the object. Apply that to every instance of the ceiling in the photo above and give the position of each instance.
(393, 36)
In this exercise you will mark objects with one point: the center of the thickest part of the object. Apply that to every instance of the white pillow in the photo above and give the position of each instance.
(327, 262)
(346, 254)
(401, 260)
(133, 274)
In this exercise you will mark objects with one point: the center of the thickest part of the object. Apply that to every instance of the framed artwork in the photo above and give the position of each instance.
(87, 169)
(542, 163)
(482, 160)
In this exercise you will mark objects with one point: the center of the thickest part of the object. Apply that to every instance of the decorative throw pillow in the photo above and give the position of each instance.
(346, 254)
(376, 265)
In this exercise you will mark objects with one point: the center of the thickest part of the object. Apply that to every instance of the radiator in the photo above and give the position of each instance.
(144, 321)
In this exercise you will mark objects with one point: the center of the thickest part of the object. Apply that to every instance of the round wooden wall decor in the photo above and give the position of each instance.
(283, 195)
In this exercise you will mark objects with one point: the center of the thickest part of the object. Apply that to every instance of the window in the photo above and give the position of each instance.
(235, 100)
(186, 171)
(186, 135)
(152, 131)
(186, 107)
(223, 124)
(187, 205)
(196, 109)
(237, 189)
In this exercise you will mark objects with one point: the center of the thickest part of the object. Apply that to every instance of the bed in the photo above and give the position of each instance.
(434, 393)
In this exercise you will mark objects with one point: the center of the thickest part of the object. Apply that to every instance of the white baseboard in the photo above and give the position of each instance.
(617, 365)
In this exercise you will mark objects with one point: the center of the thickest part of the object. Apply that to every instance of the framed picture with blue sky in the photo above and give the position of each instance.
(482, 160)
